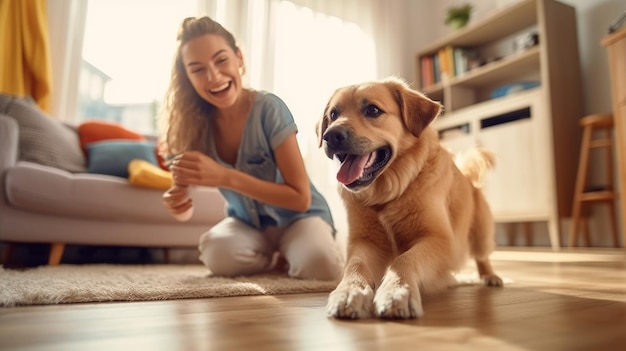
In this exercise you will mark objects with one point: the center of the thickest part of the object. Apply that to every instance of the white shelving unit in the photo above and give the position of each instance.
(534, 133)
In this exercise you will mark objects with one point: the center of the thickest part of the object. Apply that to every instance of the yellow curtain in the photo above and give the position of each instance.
(25, 67)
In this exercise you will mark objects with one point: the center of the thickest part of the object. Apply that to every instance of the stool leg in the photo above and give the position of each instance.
(612, 213)
(611, 183)
(584, 225)
(573, 230)
(581, 180)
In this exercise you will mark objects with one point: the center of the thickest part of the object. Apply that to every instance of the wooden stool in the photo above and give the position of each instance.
(583, 193)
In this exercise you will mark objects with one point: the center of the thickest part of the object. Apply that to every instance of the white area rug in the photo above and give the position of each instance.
(104, 282)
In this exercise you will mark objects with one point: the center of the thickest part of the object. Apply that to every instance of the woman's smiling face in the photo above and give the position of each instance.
(213, 68)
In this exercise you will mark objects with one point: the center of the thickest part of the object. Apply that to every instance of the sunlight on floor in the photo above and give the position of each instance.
(590, 294)
(566, 255)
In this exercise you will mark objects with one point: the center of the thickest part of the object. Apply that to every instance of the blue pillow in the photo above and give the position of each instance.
(113, 156)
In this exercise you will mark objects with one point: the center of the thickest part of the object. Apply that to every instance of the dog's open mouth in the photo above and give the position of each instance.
(360, 170)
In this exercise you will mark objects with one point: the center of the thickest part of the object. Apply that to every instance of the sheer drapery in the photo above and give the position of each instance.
(302, 50)
(383, 21)
(66, 26)
(255, 24)
(312, 47)
(25, 68)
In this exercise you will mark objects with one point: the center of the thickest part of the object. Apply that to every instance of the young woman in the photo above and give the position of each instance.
(243, 142)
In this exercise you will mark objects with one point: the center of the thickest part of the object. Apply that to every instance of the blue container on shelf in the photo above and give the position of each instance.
(509, 89)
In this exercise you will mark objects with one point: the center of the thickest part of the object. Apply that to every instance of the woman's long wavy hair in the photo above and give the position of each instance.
(185, 117)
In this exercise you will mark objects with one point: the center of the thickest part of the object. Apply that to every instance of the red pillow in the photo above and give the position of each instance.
(96, 130)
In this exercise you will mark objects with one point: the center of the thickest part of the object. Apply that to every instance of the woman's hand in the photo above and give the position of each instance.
(294, 193)
(178, 202)
(195, 168)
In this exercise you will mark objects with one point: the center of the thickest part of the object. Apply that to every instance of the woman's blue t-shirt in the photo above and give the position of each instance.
(270, 122)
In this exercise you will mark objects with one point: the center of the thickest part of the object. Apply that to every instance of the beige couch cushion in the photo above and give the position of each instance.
(33, 187)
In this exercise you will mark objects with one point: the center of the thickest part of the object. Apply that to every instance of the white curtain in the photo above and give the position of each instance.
(254, 23)
(302, 50)
(383, 20)
(66, 24)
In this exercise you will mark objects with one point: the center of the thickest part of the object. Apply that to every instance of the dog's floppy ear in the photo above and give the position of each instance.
(417, 110)
(320, 127)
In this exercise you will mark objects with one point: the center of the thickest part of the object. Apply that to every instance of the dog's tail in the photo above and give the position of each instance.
(474, 163)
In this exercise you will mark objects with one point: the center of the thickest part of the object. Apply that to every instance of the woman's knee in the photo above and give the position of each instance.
(232, 255)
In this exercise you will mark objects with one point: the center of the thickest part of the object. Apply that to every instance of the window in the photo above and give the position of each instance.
(314, 54)
(126, 60)
(128, 48)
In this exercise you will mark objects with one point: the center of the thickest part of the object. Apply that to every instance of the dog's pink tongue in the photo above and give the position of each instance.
(351, 168)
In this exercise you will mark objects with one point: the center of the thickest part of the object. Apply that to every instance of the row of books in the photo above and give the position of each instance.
(447, 63)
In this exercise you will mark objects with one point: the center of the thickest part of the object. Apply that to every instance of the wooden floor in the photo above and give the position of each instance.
(571, 300)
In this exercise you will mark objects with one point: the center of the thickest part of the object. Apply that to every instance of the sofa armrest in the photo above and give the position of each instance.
(9, 134)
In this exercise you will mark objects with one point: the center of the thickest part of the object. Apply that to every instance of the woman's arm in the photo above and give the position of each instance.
(195, 168)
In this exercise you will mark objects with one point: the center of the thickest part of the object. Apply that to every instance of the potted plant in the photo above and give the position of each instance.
(458, 16)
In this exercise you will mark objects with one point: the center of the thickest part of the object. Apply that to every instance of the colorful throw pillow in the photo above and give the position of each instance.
(144, 174)
(112, 157)
(162, 152)
(43, 139)
(96, 130)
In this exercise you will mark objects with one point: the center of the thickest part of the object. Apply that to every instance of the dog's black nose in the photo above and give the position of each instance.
(336, 136)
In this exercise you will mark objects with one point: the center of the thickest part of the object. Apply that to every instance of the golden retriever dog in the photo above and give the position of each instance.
(414, 218)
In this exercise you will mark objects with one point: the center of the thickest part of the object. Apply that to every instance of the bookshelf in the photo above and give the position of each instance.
(533, 131)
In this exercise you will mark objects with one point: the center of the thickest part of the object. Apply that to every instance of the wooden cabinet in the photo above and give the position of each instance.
(616, 46)
(534, 131)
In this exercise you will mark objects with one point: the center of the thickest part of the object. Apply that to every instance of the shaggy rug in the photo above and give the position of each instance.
(105, 282)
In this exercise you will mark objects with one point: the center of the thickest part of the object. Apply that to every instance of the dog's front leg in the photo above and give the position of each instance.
(399, 296)
(353, 296)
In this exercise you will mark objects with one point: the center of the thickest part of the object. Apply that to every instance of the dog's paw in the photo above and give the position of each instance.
(350, 301)
(395, 300)
(492, 280)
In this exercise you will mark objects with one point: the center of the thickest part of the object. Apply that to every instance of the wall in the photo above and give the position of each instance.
(594, 16)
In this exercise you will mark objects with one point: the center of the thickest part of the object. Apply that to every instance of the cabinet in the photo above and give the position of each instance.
(616, 46)
(534, 131)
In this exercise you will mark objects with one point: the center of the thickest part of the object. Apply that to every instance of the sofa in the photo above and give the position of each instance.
(50, 192)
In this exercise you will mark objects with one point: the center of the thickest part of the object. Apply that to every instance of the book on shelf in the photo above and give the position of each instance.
(436, 69)
(427, 71)
(447, 63)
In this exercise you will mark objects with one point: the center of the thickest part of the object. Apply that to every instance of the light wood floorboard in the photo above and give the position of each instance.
(570, 300)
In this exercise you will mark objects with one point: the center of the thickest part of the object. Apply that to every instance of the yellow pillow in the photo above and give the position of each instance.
(144, 174)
